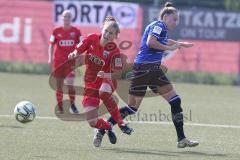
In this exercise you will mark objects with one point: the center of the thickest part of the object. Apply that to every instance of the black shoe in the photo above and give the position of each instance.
(74, 109)
(102, 131)
(111, 136)
(125, 129)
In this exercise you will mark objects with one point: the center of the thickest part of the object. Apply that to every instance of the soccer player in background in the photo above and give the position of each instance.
(103, 65)
(62, 42)
(148, 73)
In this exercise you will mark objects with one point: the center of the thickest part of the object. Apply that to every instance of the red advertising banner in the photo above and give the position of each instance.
(206, 56)
(26, 26)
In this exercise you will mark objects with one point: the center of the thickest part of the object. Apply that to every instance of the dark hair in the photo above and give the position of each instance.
(168, 4)
(167, 9)
(112, 19)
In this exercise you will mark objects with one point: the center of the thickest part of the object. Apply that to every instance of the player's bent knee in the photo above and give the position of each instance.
(135, 101)
(105, 87)
(131, 100)
(167, 96)
(92, 122)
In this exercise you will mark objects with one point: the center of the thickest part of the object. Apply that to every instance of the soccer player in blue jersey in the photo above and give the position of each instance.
(148, 73)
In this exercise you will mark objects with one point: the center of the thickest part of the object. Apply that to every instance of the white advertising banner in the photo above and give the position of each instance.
(92, 13)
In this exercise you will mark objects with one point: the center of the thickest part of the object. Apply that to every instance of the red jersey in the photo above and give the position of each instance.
(65, 42)
(97, 59)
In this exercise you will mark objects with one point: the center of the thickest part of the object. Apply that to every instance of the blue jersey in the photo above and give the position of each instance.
(157, 29)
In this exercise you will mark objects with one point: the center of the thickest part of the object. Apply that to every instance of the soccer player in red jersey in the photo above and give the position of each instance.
(103, 66)
(62, 42)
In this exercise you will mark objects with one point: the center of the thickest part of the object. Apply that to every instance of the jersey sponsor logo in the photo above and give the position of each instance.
(157, 30)
(118, 62)
(96, 60)
(66, 43)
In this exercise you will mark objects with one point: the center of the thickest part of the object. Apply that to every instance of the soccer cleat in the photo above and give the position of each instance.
(111, 136)
(74, 109)
(186, 143)
(125, 129)
(97, 139)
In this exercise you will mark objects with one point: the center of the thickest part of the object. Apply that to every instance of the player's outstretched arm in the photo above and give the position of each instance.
(152, 42)
(182, 44)
(186, 44)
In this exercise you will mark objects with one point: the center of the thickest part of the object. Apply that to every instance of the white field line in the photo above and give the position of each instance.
(149, 122)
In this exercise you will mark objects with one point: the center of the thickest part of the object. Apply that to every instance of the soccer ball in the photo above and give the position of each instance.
(25, 112)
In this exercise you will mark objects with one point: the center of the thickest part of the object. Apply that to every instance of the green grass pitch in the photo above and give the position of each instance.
(211, 116)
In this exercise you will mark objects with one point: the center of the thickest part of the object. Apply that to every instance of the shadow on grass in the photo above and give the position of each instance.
(204, 154)
(140, 151)
(45, 157)
(14, 127)
(163, 153)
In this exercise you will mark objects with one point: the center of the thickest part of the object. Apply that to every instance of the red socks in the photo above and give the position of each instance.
(59, 96)
(71, 94)
(111, 106)
(101, 124)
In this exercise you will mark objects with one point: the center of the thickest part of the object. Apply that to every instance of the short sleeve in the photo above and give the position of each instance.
(52, 39)
(80, 38)
(83, 45)
(156, 31)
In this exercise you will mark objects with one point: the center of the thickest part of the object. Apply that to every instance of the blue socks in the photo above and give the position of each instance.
(124, 111)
